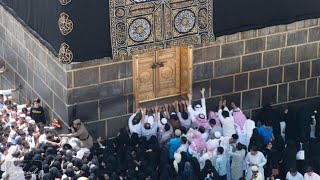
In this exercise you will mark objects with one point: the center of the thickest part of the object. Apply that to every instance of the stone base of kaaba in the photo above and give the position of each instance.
(279, 64)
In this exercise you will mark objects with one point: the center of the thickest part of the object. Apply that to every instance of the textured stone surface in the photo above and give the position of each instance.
(297, 37)
(297, 90)
(236, 98)
(304, 70)
(113, 107)
(97, 129)
(276, 41)
(307, 52)
(213, 103)
(110, 72)
(282, 93)
(314, 34)
(270, 58)
(222, 86)
(202, 71)
(86, 77)
(312, 87)
(87, 111)
(254, 45)
(114, 125)
(287, 55)
(251, 99)
(232, 49)
(258, 79)
(196, 87)
(106, 90)
(269, 94)
(226, 67)
(43, 90)
(315, 68)
(206, 54)
(251, 62)
(290, 72)
(241, 82)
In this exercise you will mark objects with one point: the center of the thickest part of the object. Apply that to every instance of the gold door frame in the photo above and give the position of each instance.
(186, 60)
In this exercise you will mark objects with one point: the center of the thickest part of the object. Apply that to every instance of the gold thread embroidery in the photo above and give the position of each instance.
(145, 26)
(65, 54)
(65, 2)
(65, 24)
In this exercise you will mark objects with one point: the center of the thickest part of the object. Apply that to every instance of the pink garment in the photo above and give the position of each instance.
(198, 144)
(210, 150)
(239, 118)
(213, 115)
(202, 122)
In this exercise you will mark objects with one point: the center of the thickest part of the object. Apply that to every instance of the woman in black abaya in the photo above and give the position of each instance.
(196, 166)
(289, 156)
(256, 140)
(208, 169)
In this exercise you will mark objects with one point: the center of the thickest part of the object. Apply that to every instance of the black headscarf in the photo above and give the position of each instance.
(256, 140)
(77, 162)
(48, 176)
(270, 114)
(56, 164)
(208, 168)
(55, 172)
(85, 170)
(50, 151)
(123, 138)
(70, 172)
(134, 139)
(196, 166)
(289, 156)
(184, 159)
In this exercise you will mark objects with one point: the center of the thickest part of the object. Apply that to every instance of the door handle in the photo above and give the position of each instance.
(155, 65)
(161, 64)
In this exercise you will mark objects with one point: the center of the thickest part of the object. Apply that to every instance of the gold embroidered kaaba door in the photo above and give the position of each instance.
(161, 74)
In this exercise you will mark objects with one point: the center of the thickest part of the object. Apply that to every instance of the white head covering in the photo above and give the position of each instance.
(197, 107)
(22, 116)
(28, 118)
(32, 122)
(217, 134)
(254, 168)
(177, 160)
(12, 121)
(12, 149)
(164, 121)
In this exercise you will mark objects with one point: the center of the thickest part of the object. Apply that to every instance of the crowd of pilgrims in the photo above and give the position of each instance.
(170, 142)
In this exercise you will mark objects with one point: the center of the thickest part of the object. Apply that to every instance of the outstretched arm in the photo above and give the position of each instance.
(203, 100)
(144, 112)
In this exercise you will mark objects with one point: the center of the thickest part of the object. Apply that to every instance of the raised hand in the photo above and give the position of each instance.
(202, 90)
(189, 96)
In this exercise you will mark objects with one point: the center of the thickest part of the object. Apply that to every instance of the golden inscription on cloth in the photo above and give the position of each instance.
(139, 26)
(65, 2)
(65, 24)
(65, 55)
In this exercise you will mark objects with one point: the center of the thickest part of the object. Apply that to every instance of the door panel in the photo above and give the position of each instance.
(162, 73)
(168, 74)
(186, 70)
(145, 76)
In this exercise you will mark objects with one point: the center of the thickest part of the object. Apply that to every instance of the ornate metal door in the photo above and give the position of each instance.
(168, 73)
(144, 76)
(162, 73)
